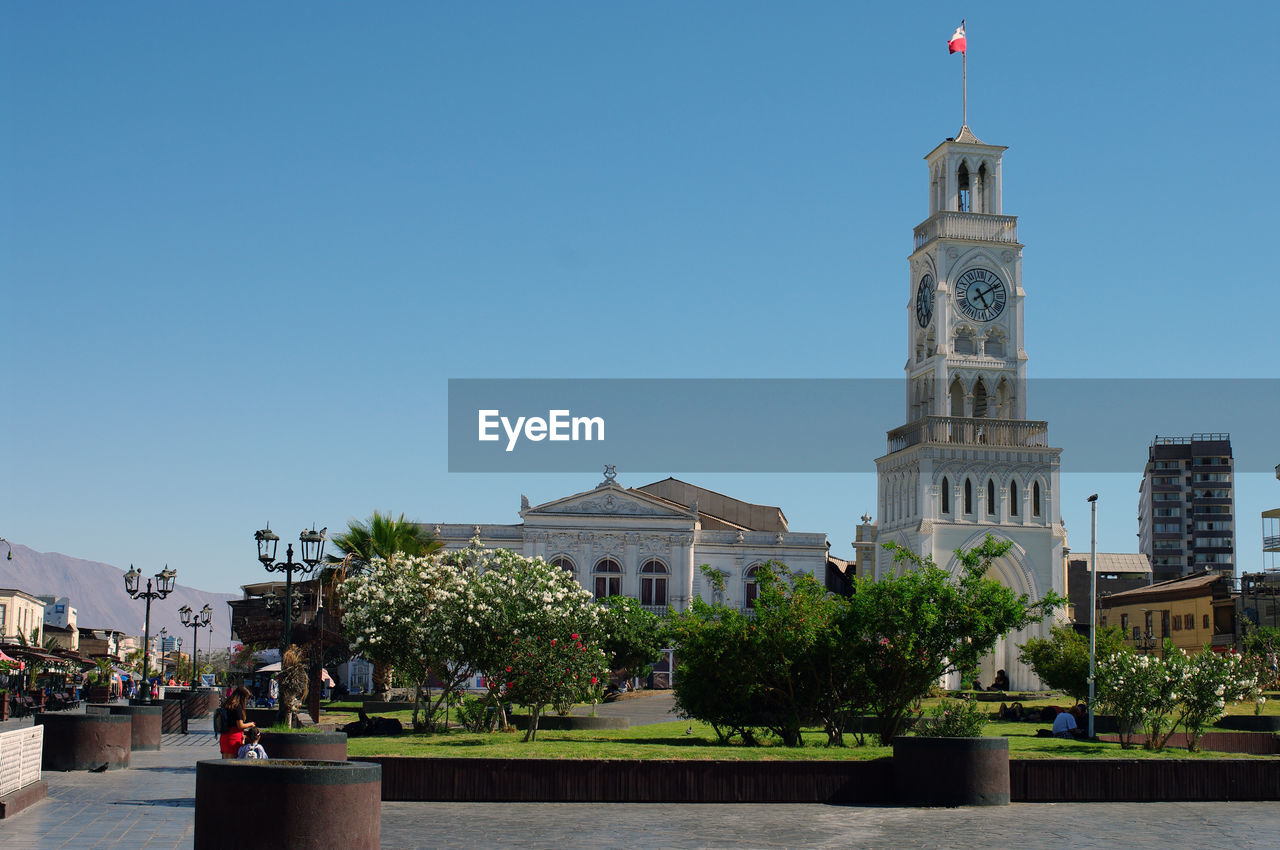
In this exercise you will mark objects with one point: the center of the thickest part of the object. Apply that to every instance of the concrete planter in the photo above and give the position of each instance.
(313, 746)
(146, 724)
(85, 741)
(304, 804)
(951, 771)
(173, 717)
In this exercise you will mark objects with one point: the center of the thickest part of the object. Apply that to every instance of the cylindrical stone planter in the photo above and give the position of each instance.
(314, 746)
(147, 723)
(85, 741)
(173, 719)
(951, 771)
(304, 804)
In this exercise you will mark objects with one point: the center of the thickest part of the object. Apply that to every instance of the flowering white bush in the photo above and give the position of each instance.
(1214, 680)
(1143, 690)
(408, 614)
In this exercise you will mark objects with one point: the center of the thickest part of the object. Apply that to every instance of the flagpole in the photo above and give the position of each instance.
(964, 79)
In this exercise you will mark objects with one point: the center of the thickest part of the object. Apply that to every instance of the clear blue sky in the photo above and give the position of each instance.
(244, 246)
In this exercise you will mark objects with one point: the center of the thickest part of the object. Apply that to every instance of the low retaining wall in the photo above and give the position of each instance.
(1253, 743)
(623, 781)
(85, 741)
(1250, 722)
(557, 723)
(1143, 780)
(852, 782)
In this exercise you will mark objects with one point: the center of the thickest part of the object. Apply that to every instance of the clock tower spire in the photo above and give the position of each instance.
(968, 462)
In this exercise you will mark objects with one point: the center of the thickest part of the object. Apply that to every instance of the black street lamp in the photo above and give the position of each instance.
(163, 587)
(312, 543)
(195, 621)
(9, 557)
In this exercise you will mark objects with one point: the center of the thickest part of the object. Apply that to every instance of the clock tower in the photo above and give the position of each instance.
(968, 463)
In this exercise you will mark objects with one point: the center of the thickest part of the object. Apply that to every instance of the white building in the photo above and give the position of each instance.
(969, 463)
(650, 542)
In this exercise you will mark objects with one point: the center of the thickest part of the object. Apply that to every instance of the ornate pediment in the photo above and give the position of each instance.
(607, 500)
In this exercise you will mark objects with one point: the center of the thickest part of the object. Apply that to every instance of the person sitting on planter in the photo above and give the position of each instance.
(229, 741)
(1001, 681)
(251, 749)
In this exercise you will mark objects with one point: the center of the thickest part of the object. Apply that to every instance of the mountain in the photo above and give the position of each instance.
(96, 591)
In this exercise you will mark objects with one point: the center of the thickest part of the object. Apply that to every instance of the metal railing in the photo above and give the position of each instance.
(970, 431)
(959, 225)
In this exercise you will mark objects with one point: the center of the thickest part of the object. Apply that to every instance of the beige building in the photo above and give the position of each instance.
(1193, 612)
(21, 613)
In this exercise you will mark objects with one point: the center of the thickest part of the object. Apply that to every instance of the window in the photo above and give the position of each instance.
(1013, 498)
(962, 182)
(991, 497)
(564, 563)
(749, 588)
(1168, 527)
(1135, 633)
(1035, 499)
(1206, 621)
(1189, 622)
(1177, 624)
(1205, 477)
(946, 496)
(1124, 622)
(1213, 541)
(968, 496)
(3, 609)
(1168, 511)
(608, 579)
(653, 583)
(1164, 623)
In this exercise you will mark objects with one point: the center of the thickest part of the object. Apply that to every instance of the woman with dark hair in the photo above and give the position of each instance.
(229, 741)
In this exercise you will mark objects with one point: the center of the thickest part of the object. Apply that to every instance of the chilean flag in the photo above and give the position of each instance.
(956, 43)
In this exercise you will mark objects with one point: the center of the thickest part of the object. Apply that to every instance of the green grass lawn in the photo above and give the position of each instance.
(669, 741)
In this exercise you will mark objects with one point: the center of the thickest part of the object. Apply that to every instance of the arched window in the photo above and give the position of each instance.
(1035, 499)
(962, 183)
(653, 583)
(565, 563)
(994, 346)
(964, 342)
(946, 496)
(1013, 498)
(749, 587)
(991, 497)
(968, 496)
(980, 399)
(980, 190)
(957, 398)
(608, 578)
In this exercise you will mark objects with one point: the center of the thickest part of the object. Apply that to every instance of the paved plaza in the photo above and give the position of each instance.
(152, 805)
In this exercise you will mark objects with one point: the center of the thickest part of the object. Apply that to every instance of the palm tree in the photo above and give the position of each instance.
(382, 536)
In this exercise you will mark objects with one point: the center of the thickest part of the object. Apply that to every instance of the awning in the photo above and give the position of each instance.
(270, 668)
(325, 677)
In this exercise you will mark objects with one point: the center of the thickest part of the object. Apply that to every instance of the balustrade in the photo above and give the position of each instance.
(970, 431)
(977, 226)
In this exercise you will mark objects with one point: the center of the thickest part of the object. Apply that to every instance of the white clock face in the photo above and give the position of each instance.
(980, 295)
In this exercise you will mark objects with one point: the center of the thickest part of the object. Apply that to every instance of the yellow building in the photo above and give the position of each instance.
(20, 614)
(1194, 612)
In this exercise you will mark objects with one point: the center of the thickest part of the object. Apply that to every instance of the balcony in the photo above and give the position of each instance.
(969, 431)
(979, 227)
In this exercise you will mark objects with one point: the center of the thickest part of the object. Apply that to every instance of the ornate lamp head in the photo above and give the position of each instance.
(131, 580)
(165, 579)
(267, 543)
(185, 613)
(312, 545)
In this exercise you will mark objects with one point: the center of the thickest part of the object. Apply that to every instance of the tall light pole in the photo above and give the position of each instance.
(1093, 598)
(163, 587)
(195, 621)
(312, 543)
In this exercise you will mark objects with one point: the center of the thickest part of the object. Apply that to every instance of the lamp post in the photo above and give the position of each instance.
(9, 557)
(163, 587)
(195, 621)
(312, 543)
(1093, 597)
(164, 653)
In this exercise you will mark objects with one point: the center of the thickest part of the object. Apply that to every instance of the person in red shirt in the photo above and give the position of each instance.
(229, 741)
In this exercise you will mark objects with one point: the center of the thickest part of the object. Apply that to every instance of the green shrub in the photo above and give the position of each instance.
(953, 718)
